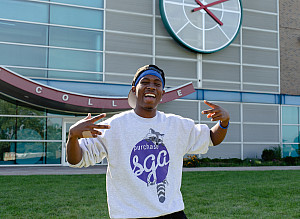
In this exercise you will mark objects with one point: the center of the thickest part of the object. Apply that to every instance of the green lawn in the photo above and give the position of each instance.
(249, 194)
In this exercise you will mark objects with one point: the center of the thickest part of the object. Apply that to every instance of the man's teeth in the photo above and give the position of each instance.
(149, 95)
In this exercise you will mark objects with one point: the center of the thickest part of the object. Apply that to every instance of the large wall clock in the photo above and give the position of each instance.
(204, 26)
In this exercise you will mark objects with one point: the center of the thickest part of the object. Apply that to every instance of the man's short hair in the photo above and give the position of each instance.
(148, 67)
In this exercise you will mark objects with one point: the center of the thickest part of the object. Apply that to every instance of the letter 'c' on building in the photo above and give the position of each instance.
(38, 90)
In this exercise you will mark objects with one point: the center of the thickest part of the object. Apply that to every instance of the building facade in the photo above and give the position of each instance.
(94, 48)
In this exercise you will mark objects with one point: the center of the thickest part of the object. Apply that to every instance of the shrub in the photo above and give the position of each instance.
(290, 160)
(268, 155)
(252, 162)
(235, 160)
(191, 161)
(271, 154)
(195, 161)
(206, 160)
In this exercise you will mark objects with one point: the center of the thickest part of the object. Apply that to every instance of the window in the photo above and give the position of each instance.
(29, 136)
(291, 131)
(57, 39)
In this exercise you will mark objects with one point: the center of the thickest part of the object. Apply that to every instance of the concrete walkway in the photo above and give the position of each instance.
(101, 169)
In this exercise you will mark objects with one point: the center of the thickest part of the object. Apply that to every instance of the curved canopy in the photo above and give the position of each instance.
(23, 89)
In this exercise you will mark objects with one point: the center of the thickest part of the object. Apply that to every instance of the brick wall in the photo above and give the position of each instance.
(289, 24)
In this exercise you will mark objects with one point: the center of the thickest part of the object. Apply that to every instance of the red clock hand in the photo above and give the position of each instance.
(209, 5)
(208, 11)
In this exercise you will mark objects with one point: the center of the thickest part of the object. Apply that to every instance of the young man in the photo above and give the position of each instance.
(144, 149)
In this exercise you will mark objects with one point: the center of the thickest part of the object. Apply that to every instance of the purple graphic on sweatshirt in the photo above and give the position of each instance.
(150, 160)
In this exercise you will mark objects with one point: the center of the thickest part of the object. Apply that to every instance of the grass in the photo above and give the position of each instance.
(274, 194)
(248, 194)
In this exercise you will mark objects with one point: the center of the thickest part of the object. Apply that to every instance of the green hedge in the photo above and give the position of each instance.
(195, 161)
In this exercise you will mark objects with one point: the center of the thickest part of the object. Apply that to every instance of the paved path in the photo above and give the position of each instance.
(101, 169)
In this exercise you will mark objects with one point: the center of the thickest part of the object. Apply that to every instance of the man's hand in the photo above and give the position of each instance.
(78, 130)
(87, 126)
(217, 113)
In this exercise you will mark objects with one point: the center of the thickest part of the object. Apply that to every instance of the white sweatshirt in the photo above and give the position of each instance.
(145, 157)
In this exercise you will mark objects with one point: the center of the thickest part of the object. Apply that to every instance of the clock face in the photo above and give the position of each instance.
(204, 26)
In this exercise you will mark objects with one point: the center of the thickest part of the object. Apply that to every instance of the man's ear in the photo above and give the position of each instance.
(133, 88)
(163, 92)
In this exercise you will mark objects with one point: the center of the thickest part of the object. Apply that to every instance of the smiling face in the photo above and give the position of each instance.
(149, 92)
